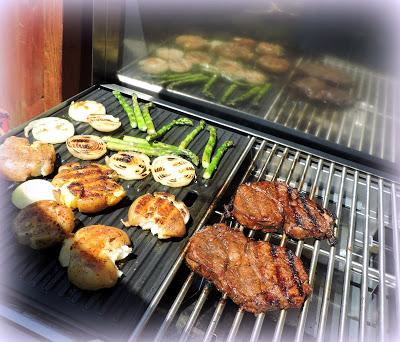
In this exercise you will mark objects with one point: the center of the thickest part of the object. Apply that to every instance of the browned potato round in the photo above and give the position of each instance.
(43, 224)
(91, 255)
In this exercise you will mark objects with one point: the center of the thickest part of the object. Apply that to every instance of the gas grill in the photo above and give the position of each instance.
(346, 160)
(355, 282)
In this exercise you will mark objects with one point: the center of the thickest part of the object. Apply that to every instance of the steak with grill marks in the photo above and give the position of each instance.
(269, 206)
(257, 206)
(256, 275)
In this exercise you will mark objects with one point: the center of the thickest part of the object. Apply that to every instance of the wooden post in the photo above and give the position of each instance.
(31, 57)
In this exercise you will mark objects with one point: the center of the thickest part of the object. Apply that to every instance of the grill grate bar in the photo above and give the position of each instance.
(282, 316)
(394, 127)
(331, 264)
(240, 312)
(396, 247)
(382, 285)
(200, 302)
(364, 112)
(314, 261)
(282, 109)
(260, 317)
(384, 125)
(373, 135)
(364, 281)
(174, 308)
(349, 256)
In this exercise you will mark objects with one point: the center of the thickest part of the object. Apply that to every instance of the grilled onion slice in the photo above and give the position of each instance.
(80, 110)
(173, 171)
(129, 165)
(50, 130)
(86, 147)
(32, 191)
(104, 123)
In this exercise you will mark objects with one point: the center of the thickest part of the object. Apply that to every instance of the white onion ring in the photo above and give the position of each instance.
(129, 165)
(79, 111)
(103, 123)
(50, 130)
(173, 171)
(86, 147)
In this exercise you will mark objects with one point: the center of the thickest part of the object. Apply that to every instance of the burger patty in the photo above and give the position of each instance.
(271, 206)
(256, 275)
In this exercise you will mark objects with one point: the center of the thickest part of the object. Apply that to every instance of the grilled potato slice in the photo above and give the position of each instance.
(89, 188)
(43, 224)
(160, 213)
(91, 255)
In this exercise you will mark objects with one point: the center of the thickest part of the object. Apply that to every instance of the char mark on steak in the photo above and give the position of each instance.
(256, 275)
(271, 206)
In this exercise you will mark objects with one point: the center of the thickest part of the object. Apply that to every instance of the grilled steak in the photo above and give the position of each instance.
(326, 73)
(257, 206)
(318, 90)
(256, 275)
(267, 206)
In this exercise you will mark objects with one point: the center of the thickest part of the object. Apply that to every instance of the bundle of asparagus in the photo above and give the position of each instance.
(136, 118)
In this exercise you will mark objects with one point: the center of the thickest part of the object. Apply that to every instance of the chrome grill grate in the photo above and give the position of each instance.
(368, 126)
(355, 283)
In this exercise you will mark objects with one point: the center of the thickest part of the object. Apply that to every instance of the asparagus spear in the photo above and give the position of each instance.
(180, 77)
(127, 108)
(169, 75)
(264, 89)
(140, 141)
(245, 96)
(138, 114)
(228, 92)
(167, 127)
(147, 117)
(216, 159)
(185, 142)
(150, 149)
(205, 160)
(206, 89)
(189, 80)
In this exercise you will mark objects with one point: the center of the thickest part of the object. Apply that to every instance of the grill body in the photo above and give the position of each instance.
(355, 283)
(346, 159)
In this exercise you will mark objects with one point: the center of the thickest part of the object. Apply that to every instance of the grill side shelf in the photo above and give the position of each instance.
(113, 312)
